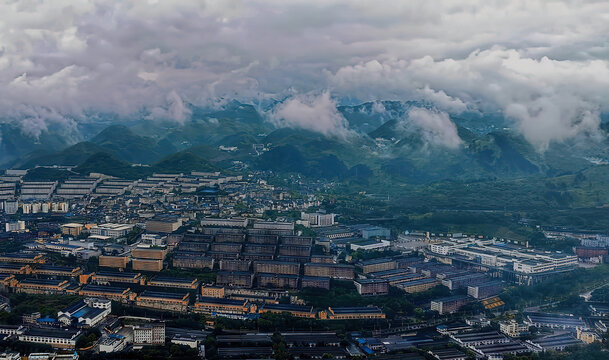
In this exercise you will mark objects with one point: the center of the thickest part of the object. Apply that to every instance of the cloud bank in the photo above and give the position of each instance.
(543, 63)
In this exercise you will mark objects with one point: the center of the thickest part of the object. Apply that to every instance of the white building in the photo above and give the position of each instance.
(111, 230)
(512, 328)
(17, 226)
(217, 222)
(186, 341)
(112, 344)
(149, 334)
(10, 356)
(86, 313)
(57, 338)
(318, 219)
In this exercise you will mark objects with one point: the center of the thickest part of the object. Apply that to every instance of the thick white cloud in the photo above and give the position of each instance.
(544, 63)
(311, 112)
(435, 127)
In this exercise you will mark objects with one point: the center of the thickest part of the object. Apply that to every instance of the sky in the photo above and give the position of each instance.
(544, 64)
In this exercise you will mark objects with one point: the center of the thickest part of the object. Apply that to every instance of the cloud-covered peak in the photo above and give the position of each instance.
(311, 112)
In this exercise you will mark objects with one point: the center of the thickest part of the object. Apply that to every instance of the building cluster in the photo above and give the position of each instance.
(98, 198)
(502, 260)
(364, 237)
(299, 345)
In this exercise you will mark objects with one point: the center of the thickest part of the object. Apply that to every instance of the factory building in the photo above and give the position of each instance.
(152, 333)
(42, 286)
(173, 282)
(193, 246)
(300, 311)
(375, 265)
(352, 313)
(315, 282)
(149, 253)
(485, 290)
(111, 230)
(215, 306)
(227, 247)
(183, 260)
(464, 281)
(107, 277)
(418, 285)
(163, 300)
(277, 267)
(88, 312)
(107, 292)
(163, 224)
(449, 305)
(296, 240)
(235, 278)
(372, 287)
(288, 227)
(118, 262)
(322, 259)
(294, 250)
(263, 239)
(277, 281)
(217, 222)
(15, 269)
(229, 237)
(259, 249)
(50, 270)
(318, 219)
(335, 271)
(23, 258)
(57, 338)
(71, 229)
(212, 291)
(147, 265)
(235, 265)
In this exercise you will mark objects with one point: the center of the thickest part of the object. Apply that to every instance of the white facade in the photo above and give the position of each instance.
(110, 345)
(111, 230)
(512, 328)
(149, 334)
(318, 219)
(16, 226)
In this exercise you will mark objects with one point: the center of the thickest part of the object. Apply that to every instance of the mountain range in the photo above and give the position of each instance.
(384, 145)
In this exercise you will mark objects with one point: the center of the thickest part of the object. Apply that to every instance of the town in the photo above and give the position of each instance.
(194, 264)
